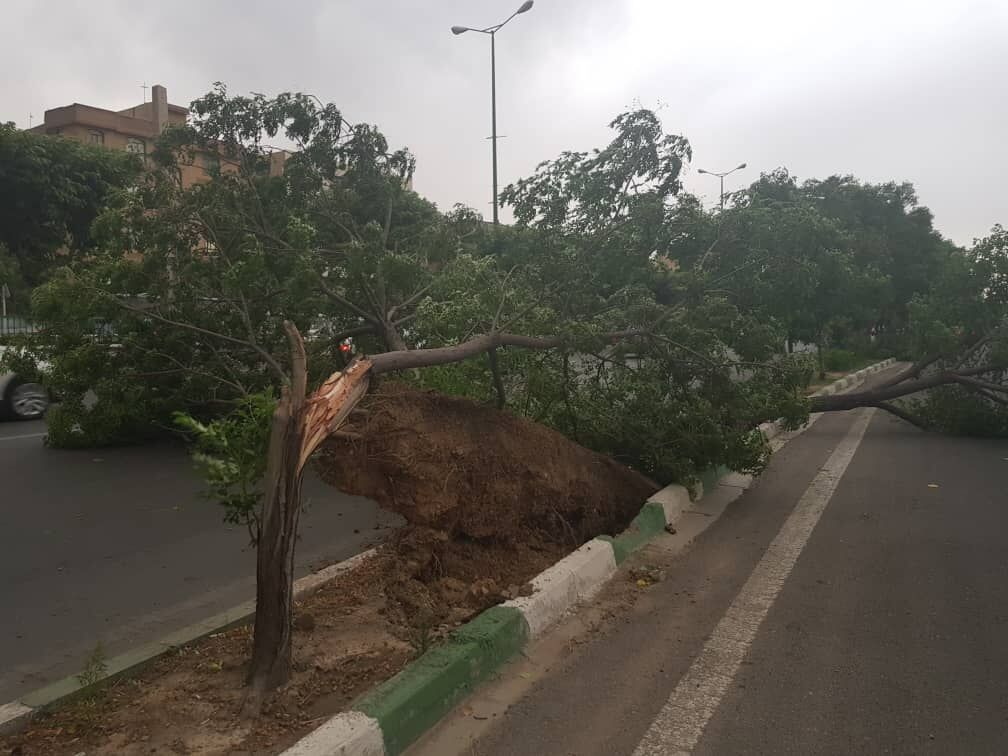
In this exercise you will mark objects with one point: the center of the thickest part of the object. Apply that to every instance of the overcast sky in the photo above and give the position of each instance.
(882, 89)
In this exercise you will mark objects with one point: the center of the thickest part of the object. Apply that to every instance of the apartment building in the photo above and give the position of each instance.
(135, 130)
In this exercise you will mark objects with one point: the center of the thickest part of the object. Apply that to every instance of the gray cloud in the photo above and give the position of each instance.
(888, 89)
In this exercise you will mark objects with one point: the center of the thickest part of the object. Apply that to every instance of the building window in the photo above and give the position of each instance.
(54, 131)
(96, 137)
(136, 147)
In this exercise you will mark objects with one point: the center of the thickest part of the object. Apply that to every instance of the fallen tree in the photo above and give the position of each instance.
(595, 329)
(622, 355)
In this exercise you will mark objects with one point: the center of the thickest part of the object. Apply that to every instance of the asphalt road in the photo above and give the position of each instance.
(875, 623)
(117, 546)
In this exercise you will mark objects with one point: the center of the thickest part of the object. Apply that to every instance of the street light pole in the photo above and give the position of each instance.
(493, 117)
(722, 177)
(492, 31)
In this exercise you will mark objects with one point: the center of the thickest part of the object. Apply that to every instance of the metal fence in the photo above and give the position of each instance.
(12, 325)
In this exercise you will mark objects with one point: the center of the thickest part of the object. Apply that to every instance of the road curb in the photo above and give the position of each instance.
(411, 702)
(16, 714)
(575, 578)
(415, 699)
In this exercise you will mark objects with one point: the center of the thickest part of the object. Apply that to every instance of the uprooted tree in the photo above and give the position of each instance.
(611, 312)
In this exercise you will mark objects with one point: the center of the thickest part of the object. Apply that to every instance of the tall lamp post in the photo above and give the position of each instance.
(492, 31)
(721, 176)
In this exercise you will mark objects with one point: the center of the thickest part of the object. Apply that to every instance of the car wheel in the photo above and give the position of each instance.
(26, 401)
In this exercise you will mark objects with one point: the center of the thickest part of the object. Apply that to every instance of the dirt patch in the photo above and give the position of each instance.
(491, 499)
(189, 701)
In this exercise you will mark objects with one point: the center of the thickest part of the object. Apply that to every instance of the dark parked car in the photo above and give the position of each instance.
(21, 399)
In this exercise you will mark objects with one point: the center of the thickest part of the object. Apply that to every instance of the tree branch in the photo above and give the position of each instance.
(410, 300)
(247, 320)
(343, 301)
(873, 396)
(299, 367)
(979, 385)
(151, 313)
(418, 358)
(349, 333)
(913, 371)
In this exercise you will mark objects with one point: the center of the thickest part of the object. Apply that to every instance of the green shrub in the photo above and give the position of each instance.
(75, 423)
(231, 452)
(841, 360)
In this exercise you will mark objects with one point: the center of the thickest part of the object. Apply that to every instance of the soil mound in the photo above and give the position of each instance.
(490, 499)
(477, 474)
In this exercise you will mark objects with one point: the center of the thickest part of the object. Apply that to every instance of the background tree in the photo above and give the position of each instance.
(51, 190)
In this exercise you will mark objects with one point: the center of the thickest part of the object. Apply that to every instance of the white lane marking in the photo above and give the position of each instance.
(26, 435)
(682, 720)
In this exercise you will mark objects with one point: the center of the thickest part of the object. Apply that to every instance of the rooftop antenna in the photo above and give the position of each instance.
(30, 120)
(144, 86)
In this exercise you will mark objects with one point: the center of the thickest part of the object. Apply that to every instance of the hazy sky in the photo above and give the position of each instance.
(883, 89)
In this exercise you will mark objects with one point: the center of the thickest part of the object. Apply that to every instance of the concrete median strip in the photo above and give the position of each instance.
(386, 720)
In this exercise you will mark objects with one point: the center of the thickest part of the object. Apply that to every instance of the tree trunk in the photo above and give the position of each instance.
(497, 380)
(271, 650)
(819, 353)
(299, 426)
(271, 645)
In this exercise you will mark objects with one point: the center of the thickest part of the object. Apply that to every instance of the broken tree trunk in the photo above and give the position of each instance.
(299, 426)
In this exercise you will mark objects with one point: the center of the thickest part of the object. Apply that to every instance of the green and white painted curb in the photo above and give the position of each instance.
(385, 721)
(16, 714)
(388, 719)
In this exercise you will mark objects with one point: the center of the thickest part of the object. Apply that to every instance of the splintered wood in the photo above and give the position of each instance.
(329, 407)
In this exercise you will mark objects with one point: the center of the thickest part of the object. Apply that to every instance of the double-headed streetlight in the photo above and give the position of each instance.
(492, 31)
(721, 176)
